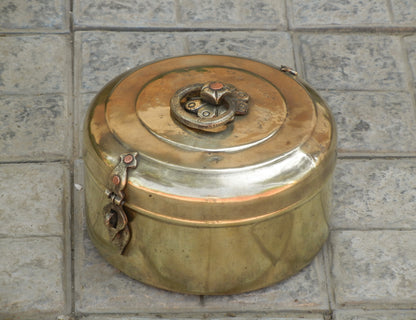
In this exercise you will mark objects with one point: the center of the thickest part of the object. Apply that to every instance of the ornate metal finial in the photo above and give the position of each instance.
(209, 105)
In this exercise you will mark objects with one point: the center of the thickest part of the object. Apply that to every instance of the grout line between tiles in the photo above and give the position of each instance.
(288, 14)
(327, 30)
(30, 236)
(409, 74)
(297, 54)
(390, 10)
(286, 24)
(71, 289)
(292, 41)
(379, 306)
(211, 315)
(186, 46)
(328, 253)
(395, 30)
(374, 156)
(178, 14)
(176, 29)
(46, 161)
(67, 240)
(327, 269)
(27, 93)
(360, 90)
(369, 229)
(32, 32)
(371, 311)
(78, 93)
(296, 59)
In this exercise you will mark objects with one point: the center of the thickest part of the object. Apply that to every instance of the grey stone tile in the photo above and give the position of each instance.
(34, 64)
(229, 14)
(373, 315)
(374, 268)
(353, 61)
(31, 277)
(105, 55)
(33, 199)
(270, 47)
(410, 43)
(128, 13)
(369, 121)
(374, 194)
(101, 288)
(404, 12)
(303, 291)
(319, 13)
(26, 15)
(34, 127)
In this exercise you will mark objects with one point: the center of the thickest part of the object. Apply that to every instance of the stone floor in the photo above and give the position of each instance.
(55, 55)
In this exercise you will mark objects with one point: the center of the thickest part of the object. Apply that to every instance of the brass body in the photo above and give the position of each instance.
(212, 212)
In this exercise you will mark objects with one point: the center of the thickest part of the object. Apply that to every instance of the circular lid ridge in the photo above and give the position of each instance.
(281, 115)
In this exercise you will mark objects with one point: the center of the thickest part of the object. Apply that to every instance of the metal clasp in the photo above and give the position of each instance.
(115, 218)
(289, 70)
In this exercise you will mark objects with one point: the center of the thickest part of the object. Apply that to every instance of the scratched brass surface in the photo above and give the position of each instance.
(212, 212)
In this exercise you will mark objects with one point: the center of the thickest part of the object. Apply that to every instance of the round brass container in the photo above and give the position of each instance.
(228, 198)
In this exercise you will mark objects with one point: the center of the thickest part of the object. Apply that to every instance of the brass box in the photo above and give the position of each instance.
(208, 174)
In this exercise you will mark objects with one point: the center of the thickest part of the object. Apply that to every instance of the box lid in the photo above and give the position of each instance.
(215, 130)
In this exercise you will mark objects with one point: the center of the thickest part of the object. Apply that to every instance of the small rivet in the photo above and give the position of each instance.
(128, 159)
(206, 113)
(216, 85)
(116, 180)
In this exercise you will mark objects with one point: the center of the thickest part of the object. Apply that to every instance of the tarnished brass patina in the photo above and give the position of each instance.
(184, 195)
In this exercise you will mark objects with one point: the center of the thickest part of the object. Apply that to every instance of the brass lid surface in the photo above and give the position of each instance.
(138, 111)
(282, 150)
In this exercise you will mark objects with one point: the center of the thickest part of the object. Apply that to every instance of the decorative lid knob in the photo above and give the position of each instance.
(207, 106)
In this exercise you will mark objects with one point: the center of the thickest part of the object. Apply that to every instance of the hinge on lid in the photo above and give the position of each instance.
(289, 70)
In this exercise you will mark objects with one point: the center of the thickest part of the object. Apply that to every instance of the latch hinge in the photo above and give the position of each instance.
(289, 70)
(114, 216)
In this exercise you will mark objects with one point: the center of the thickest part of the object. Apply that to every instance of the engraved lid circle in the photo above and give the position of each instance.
(267, 109)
